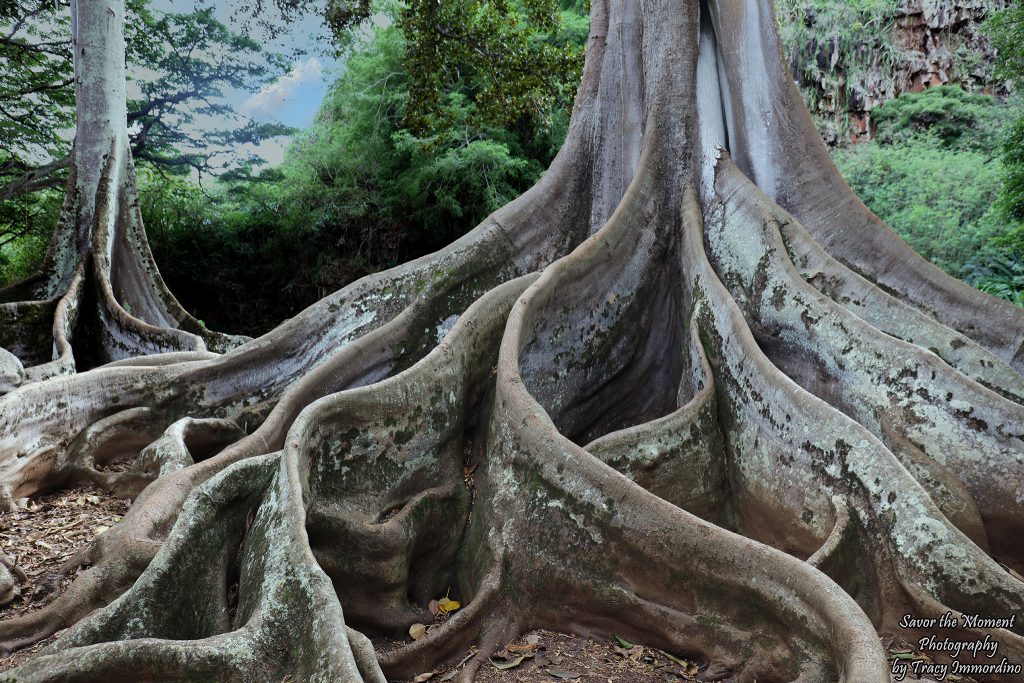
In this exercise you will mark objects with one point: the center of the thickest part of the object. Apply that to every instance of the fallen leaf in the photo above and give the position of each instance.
(422, 678)
(689, 668)
(434, 609)
(446, 605)
(100, 529)
(510, 664)
(533, 639)
(564, 675)
(623, 642)
(417, 631)
(905, 655)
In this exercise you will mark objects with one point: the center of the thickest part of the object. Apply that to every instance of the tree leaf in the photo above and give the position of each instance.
(905, 655)
(417, 631)
(623, 642)
(423, 678)
(446, 605)
(681, 662)
(510, 664)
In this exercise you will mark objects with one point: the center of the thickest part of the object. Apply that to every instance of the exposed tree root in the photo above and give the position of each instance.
(774, 151)
(962, 441)
(10, 576)
(642, 399)
(99, 301)
(929, 555)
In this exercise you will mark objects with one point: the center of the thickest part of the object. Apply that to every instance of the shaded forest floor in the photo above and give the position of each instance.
(41, 537)
(47, 532)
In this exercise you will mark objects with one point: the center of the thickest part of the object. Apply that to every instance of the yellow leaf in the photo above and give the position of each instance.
(446, 605)
(417, 631)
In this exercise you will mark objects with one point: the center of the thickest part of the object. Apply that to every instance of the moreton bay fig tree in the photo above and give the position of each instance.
(99, 296)
(687, 389)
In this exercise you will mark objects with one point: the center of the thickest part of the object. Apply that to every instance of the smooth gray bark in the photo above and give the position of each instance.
(663, 394)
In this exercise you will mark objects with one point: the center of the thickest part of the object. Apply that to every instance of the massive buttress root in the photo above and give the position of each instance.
(666, 393)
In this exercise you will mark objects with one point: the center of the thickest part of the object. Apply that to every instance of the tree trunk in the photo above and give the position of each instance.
(99, 297)
(686, 389)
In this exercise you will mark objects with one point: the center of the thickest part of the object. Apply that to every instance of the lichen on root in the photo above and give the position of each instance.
(666, 393)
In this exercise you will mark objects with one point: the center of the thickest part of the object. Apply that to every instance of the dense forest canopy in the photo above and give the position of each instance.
(405, 155)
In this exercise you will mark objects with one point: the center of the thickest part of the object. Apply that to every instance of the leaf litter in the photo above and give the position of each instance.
(542, 656)
(40, 537)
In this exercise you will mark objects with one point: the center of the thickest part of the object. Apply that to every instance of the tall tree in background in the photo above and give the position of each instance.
(686, 389)
(192, 59)
(115, 305)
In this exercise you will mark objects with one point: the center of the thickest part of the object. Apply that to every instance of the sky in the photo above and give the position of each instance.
(293, 99)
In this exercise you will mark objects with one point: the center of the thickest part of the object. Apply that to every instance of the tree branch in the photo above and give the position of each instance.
(38, 178)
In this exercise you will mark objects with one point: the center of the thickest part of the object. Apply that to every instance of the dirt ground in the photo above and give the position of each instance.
(45, 533)
(41, 537)
(547, 656)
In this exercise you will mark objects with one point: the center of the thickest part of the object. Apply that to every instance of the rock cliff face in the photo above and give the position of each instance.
(850, 57)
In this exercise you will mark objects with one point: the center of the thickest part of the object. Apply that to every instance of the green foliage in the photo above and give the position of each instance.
(193, 59)
(36, 87)
(932, 174)
(341, 16)
(212, 243)
(939, 200)
(505, 57)
(841, 47)
(1001, 276)
(362, 189)
(1006, 30)
(454, 179)
(1012, 200)
(362, 159)
(957, 118)
(25, 226)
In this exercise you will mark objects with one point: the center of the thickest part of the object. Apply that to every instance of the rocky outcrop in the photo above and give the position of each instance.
(848, 61)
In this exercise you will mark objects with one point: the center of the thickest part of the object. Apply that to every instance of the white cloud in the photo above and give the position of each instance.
(273, 150)
(269, 100)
